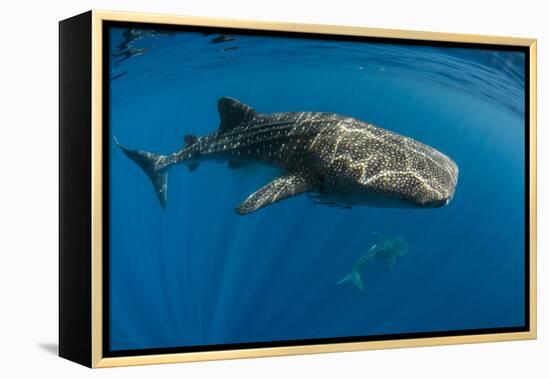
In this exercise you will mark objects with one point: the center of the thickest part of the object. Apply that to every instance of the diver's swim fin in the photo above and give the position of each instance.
(148, 162)
(353, 277)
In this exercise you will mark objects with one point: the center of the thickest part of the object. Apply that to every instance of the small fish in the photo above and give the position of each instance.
(388, 249)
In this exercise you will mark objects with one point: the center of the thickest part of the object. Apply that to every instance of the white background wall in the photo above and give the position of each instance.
(28, 186)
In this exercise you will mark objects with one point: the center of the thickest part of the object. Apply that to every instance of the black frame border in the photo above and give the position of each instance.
(106, 142)
(75, 180)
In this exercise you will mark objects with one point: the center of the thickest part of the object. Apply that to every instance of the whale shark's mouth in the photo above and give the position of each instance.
(439, 203)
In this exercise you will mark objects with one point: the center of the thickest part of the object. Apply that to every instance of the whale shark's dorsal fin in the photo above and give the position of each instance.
(234, 113)
(282, 187)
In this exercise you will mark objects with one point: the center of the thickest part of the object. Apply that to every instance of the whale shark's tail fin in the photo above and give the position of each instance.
(149, 163)
(353, 277)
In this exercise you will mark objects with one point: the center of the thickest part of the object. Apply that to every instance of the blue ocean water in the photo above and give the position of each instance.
(197, 273)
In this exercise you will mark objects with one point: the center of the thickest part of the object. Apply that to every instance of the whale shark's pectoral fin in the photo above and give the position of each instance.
(282, 187)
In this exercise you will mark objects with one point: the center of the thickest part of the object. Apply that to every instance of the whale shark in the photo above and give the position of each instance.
(336, 159)
(388, 249)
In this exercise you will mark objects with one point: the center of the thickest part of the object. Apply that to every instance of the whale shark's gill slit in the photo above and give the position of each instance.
(152, 165)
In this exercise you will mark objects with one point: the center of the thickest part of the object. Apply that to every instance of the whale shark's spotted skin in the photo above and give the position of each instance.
(342, 160)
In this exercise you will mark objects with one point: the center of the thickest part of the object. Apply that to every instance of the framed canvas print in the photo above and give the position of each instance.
(237, 189)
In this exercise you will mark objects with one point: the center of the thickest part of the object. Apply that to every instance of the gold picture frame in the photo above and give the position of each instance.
(91, 327)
